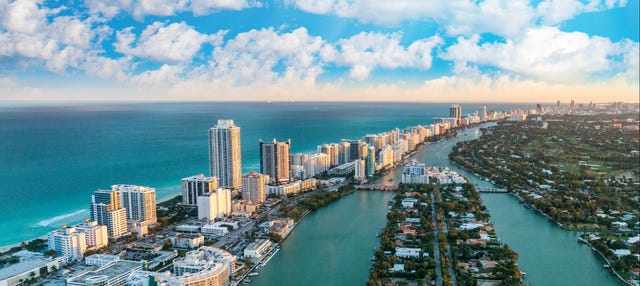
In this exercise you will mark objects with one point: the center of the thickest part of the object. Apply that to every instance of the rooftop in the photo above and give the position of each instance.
(110, 270)
(23, 266)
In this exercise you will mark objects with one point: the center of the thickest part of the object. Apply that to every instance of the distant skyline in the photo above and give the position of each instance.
(320, 50)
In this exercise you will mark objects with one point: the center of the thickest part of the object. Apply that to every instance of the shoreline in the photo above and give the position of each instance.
(608, 262)
(422, 145)
(539, 212)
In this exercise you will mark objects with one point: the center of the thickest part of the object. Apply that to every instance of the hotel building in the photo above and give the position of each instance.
(225, 155)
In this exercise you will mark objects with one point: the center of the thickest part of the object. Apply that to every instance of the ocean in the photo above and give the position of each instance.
(53, 156)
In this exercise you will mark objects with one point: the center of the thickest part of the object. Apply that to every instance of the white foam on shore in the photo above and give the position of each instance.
(60, 218)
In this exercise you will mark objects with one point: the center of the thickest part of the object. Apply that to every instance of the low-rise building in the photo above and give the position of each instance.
(100, 259)
(187, 241)
(257, 249)
(214, 230)
(31, 266)
(407, 252)
(292, 188)
(205, 266)
(112, 274)
(188, 228)
(409, 202)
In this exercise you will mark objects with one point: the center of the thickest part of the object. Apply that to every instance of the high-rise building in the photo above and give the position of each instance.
(96, 235)
(139, 201)
(333, 150)
(415, 173)
(214, 204)
(274, 160)
(224, 154)
(344, 152)
(355, 147)
(195, 186)
(360, 169)
(386, 156)
(484, 114)
(68, 243)
(456, 112)
(105, 210)
(317, 163)
(254, 187)
(370, 164)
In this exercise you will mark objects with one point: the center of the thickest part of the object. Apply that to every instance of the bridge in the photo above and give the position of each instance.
(389, 188)
(492, 190)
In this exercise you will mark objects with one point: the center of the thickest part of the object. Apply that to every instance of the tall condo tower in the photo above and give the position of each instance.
(224, 154)
(195, 186)
(254, 187)
(139, 201)
(274, 160)
(456, 112)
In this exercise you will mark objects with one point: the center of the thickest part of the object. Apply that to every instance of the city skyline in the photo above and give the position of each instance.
(299, 50)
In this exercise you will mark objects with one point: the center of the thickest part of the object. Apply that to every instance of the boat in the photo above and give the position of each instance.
(253, 274)
(246, 281)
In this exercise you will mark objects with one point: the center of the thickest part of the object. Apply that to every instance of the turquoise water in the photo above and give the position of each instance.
(331, 246)
(53, 156)
(325, 245)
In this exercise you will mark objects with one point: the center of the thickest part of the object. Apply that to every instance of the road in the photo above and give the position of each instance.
(436, 247)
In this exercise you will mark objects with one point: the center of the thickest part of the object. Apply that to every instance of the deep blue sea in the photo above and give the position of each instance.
(54, 156)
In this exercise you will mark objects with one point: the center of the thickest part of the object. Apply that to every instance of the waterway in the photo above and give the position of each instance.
(333, 245)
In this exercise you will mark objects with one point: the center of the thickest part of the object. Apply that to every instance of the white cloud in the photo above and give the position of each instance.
(107, 68)
(69, 30)
(176, 42)
(542, 53)
(166, 75)
(254, 56)
(141, 8)
(552, 12)
(459, 17)
(24, 16)
(205, 7)
(365, 51)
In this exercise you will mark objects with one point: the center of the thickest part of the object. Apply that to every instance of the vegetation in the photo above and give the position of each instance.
(581, 171)
(399, 232)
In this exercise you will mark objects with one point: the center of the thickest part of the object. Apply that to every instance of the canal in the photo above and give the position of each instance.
(333, 245)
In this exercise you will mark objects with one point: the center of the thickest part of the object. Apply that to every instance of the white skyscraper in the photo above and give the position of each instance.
(68, 243)
(140, 202)
(360, 169)
(224, 154)
(96, 235)
(214, 204)
(415, 173)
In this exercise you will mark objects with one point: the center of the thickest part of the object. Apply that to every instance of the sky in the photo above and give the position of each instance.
(320, 50)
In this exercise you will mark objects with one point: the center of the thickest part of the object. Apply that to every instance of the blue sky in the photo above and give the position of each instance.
(315, 50)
